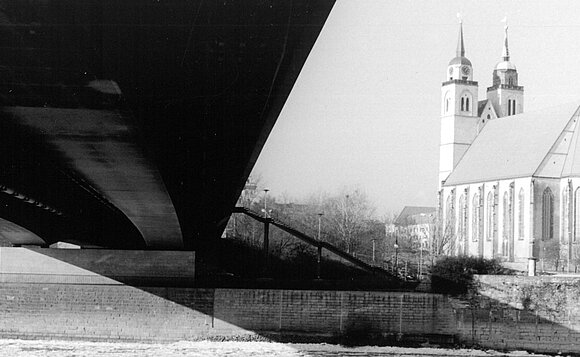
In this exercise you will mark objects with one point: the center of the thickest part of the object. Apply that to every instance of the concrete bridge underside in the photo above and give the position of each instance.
(134, 124)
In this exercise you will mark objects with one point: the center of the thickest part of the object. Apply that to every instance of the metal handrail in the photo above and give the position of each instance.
(312, 241)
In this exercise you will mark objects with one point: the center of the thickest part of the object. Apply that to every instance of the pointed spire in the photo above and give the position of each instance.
(460, 46)
(506, 52)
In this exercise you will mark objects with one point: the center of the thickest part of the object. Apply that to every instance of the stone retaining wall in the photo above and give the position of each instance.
(539, 313)
(66, 297)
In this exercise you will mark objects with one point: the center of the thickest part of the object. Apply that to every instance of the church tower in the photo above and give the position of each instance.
(505, 94)
(459, 111)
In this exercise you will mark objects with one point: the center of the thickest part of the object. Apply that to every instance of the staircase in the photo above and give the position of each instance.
(313, 242)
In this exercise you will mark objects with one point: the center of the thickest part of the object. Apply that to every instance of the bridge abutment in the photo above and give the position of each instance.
(101, 295)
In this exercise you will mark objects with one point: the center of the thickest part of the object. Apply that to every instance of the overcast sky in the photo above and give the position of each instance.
(365, 110)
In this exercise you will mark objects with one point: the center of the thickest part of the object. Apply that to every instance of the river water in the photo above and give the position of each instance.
(21, 348)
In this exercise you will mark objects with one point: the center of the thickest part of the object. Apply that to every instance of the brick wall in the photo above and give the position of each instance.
(507, 313)
(107, 312)
(110, 312)
(66, 297)
(72, 293)
(332, 313)
(83, 294)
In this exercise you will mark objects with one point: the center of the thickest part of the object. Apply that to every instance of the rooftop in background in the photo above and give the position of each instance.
(415, 215)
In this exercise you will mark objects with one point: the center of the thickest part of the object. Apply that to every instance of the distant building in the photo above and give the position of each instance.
(509, 182)
(248, 195)
(415, 223)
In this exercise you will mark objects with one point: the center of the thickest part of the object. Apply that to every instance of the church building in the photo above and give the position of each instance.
(509, 181)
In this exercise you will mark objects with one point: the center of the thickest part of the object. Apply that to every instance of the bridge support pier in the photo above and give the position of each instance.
(97, 266)
(101, 294)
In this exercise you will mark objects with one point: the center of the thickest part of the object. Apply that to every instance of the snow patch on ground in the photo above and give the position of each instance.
(33, 348)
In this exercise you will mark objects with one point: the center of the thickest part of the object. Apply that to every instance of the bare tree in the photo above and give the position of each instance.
(241, 226)
(345, 219)
(444, 239)
(551, 253)
(349, 214)
(575, 257)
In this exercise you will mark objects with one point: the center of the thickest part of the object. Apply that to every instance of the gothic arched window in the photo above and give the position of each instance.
(450, 218)
(565, 194)
(521, 210)
(506, 222)
(462, 224)
(476, 219)
(577, 215)
(446, 102)
(490, 216)
(547, 214)
(465, 102)
(511, 106)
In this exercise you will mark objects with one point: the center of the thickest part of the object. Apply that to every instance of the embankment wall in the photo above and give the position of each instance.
(121, 312)
(80, 298)
(540, 313)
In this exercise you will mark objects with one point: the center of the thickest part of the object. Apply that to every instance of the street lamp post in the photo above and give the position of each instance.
(421, 260)
(266, 246)
(347, 224)
(319, 255)
(266, 202)
(320, 214)
(397, 254)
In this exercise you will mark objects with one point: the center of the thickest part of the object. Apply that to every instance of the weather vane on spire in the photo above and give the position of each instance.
(460, 17)
(506, 51)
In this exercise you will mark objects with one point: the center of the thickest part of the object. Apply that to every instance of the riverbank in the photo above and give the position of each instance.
(55, 348)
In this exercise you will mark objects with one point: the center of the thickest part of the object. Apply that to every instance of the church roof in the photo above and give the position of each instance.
(481, 106)
(408, 213)
(520, 145)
